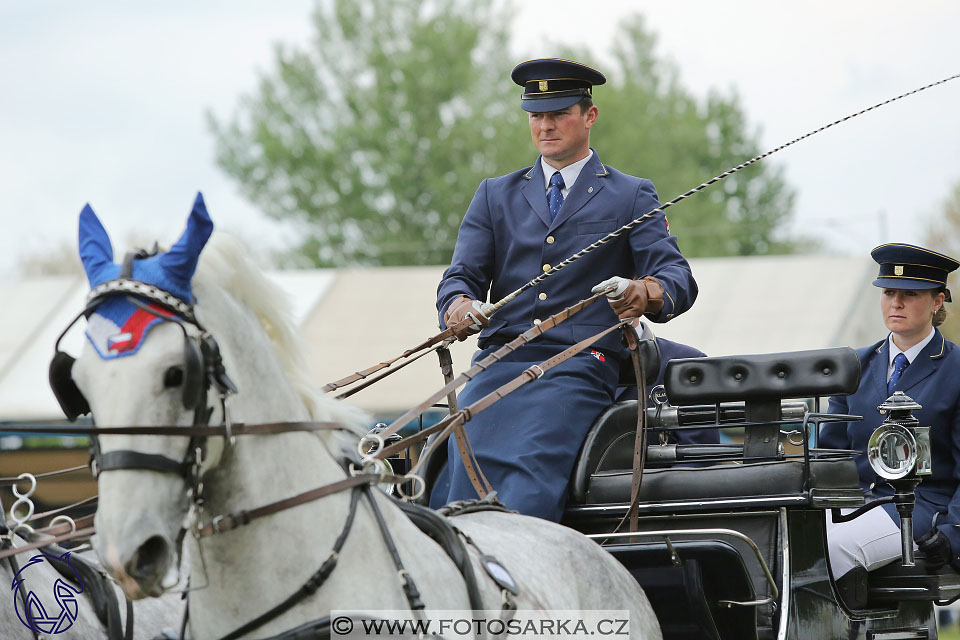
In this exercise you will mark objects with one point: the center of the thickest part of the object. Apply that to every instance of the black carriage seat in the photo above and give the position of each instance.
(602, 473)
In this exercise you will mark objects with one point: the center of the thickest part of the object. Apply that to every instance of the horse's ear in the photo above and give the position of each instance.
(96, 252)
(181, 261)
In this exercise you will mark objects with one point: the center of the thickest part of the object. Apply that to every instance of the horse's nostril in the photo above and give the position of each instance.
(150, 560)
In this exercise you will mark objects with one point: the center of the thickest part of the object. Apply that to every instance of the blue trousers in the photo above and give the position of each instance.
(527, 442)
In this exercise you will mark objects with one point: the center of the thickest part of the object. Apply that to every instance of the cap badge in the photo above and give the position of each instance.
(898, 269)
(543, 85)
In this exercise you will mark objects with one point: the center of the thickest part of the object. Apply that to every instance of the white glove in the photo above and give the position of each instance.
(480, 307)
(613, 287)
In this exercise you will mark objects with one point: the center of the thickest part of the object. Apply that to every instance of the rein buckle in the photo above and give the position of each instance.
(218, 519)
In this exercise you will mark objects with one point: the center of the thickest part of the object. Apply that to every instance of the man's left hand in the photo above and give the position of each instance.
(632, 298)
(936, 547)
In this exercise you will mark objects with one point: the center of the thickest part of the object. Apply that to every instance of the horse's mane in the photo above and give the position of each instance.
(225, 263)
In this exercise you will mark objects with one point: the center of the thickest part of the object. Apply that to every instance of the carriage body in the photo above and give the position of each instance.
(730, 540)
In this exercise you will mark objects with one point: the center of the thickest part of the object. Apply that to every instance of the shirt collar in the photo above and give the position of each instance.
(913, 351)
(570, 172)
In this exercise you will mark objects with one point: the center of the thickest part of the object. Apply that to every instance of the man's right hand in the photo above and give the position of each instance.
(465, 317)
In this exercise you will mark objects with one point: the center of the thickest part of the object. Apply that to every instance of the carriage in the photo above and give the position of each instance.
(729, 540)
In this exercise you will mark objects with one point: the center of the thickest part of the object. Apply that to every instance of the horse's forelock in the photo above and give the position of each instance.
(225, 263)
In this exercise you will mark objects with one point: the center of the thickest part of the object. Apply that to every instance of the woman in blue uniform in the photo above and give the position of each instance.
(914, 358)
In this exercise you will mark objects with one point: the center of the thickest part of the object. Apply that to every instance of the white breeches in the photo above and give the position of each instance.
(870, 541)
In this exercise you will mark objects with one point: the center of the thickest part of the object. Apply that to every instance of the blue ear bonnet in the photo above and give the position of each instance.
(170, 271)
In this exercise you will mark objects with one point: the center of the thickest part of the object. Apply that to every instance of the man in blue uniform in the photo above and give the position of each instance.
(516, 227)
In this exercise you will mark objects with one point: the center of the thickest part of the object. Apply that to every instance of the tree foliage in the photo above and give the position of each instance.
(651, 126)
(375, 138)
(943, 234)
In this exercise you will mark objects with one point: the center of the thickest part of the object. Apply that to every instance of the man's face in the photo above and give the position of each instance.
(562, 137)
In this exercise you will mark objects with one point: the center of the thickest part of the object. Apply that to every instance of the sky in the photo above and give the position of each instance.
(106, 103)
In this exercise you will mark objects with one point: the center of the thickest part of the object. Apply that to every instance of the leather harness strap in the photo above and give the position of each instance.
(496, 356)
(230, 521)
(640, 441)
(529, 375)
(315, 581)
(474, 472)
(367, 383)
(448, 334)
(236, 429)
(527, 336)
(446, 426)
(80, 503)
(79, 533)
(360, 375)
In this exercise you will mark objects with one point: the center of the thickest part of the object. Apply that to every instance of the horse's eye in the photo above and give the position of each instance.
(173, 377)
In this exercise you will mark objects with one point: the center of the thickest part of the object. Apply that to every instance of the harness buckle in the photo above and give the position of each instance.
(215, 523)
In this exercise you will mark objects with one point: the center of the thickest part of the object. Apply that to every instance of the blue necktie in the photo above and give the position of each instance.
(900, 363)
(554, 197)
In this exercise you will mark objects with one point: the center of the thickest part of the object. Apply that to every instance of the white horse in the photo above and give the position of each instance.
(39, 577)
(242, 573)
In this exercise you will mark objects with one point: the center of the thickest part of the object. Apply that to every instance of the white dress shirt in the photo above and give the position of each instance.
(911, 353)
(570, 174)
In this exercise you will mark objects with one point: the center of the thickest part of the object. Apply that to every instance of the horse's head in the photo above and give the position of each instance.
(146, 362)
(150, 359)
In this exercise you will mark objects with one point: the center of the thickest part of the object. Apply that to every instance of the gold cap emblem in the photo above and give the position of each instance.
(543, 85)
(898, 269)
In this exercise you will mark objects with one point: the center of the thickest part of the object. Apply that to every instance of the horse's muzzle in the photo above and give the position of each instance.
(149, 563)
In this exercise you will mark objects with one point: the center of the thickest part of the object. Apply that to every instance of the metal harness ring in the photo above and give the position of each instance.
(418, 490)
(33, 485)
(67, 519)
(23, 499)
(374, 448)
(790, 437)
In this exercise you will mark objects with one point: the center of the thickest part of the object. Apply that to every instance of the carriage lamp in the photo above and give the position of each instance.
(900, 447)
(899, 452)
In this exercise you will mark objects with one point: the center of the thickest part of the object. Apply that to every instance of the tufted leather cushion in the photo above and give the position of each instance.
(798, 374)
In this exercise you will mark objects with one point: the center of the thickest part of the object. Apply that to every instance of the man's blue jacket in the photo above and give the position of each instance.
(507, 238)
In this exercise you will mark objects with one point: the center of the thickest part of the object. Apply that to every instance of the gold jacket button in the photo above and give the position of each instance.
(590, 190)
(550, 240)
(546, 268)
(542, 296)
(536, 321)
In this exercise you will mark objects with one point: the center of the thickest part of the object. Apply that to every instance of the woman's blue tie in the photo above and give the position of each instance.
(900, 363)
